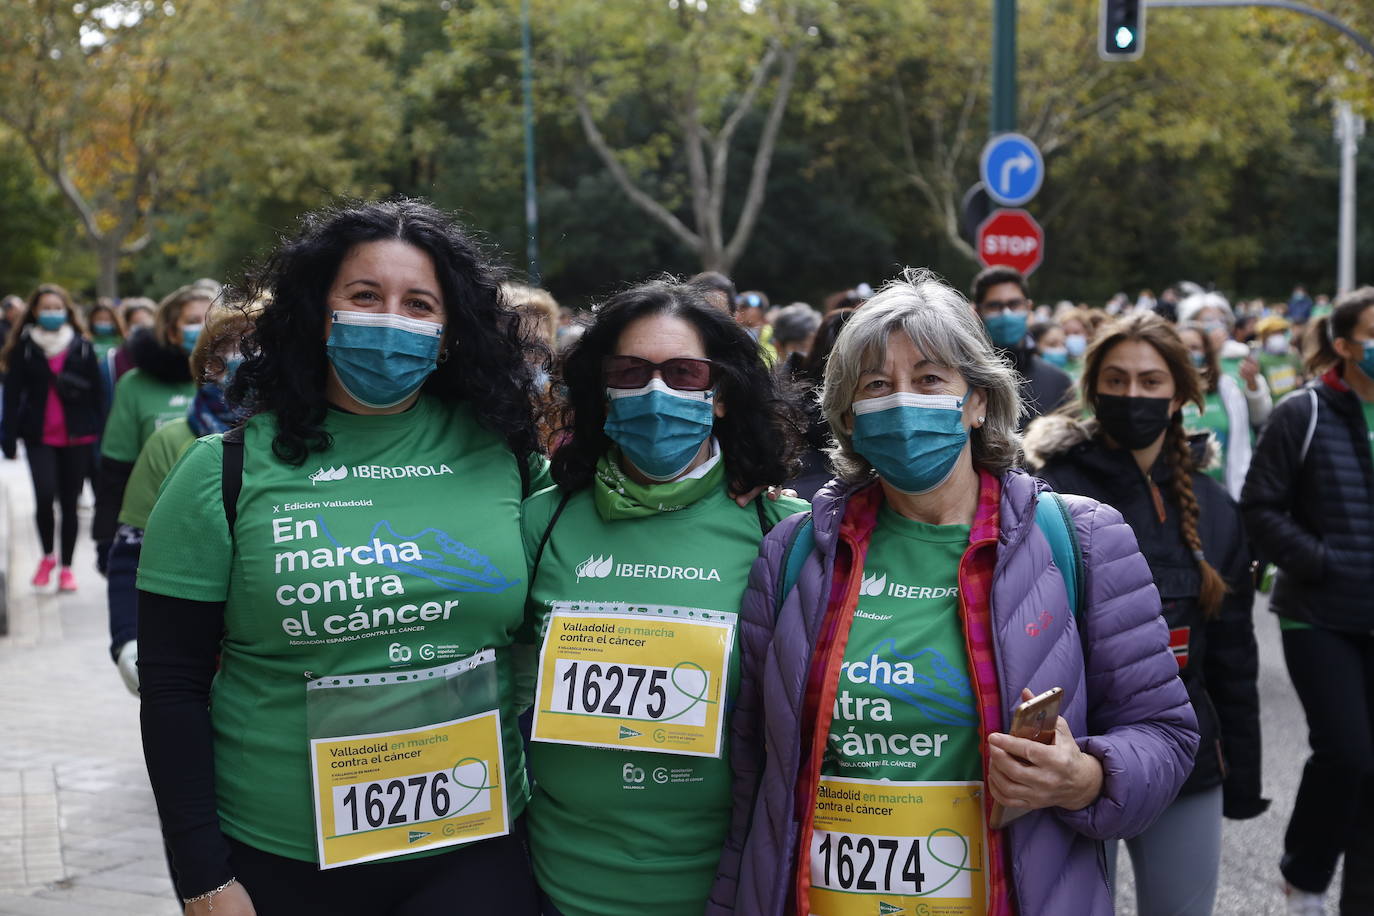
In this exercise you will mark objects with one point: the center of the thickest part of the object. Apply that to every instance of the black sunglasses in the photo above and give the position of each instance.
(684, 373)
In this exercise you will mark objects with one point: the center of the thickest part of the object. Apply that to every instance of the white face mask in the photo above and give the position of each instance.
(1277, 344)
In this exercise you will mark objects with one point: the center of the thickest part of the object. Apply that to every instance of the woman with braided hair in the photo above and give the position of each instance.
(1135, 455)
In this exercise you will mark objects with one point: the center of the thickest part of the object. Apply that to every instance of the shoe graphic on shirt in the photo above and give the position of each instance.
(925, 680)
(446, 562)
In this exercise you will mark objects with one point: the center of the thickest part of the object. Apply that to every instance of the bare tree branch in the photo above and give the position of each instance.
(623, 180)
(763, 157)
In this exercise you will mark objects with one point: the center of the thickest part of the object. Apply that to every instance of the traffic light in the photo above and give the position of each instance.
(1121, 30)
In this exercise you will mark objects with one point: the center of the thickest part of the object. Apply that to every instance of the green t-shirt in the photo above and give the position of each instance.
(1368, 421)
(160, 453)
(614, 833)
(396, 549)
(103, 345)
(142, 404)
(904, 707)
(1283, 373)
(1215, 419)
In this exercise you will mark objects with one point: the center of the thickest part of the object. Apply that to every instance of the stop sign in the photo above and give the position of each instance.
(1011, 238)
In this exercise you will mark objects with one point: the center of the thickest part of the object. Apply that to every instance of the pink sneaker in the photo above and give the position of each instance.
(44, 574)
(66, 580)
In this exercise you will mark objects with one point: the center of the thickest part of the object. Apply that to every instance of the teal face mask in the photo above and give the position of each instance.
(1056, 356)
(1367, 361)
(913, 441)
(659, 429)
(103, 328)
(189, 335)
(1007, 329)
(51, 321)
(382, 359)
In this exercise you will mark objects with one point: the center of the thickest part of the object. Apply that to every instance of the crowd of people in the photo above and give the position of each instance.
(439, 595)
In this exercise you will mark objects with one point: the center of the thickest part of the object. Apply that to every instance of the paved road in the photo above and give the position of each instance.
(78, 833)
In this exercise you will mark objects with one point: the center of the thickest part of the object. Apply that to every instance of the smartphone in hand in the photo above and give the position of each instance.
(1034, 720)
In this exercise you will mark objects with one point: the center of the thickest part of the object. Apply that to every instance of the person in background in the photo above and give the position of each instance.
(135, 312)
(1048, 340)
(156, 391)
(1080, 327)
(214, 360)
(11, 311)
(107, 329)
(794, 333)
(751, 311)
(1134, 454)
(52, 401)
(1309, 507)
(1321, 306)
(385, 344)
(1003, 302)
(719, 289)
(1299, 305)
(923, 566)
(670, 410)
(1279, 364)
(1226, 411)
(815, 461)
(1213, 313)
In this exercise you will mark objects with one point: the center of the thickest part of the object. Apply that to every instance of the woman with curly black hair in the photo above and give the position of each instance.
(639, 558)
(352, 556)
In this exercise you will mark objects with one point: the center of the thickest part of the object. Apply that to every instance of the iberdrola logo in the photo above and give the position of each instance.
(326, 474)
(594, 568)
(873, 585)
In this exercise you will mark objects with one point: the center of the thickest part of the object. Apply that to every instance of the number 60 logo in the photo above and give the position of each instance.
(399, 653)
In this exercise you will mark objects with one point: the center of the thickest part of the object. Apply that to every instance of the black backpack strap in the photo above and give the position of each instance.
(764, 525)
(231, 477)
(544, 540)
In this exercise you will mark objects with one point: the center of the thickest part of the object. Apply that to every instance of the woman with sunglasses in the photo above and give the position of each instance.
(639, 559)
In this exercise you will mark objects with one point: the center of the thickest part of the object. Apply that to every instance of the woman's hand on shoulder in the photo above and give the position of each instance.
(774, 493)
(1027, 774)
(232, 901)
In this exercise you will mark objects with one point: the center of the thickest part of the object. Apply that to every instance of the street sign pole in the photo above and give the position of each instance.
(531, 199)
(1003, 115)
(1349, 130)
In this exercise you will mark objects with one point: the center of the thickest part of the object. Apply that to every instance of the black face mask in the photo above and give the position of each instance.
(1132, 423)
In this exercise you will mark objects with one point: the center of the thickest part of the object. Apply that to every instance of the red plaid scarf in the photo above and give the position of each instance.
(975, 594)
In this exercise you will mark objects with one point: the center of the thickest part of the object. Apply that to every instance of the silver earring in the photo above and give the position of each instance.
(980, 421)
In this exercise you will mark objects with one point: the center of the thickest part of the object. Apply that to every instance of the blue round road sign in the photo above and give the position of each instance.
(1012, 169)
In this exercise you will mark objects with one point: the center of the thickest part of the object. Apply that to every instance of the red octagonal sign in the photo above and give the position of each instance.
(1011, 238)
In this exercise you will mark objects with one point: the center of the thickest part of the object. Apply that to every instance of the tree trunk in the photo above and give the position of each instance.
(108, 251)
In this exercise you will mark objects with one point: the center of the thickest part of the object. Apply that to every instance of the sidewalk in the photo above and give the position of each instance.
(78, 830)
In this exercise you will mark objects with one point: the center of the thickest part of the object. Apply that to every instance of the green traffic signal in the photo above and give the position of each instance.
(1121, 30)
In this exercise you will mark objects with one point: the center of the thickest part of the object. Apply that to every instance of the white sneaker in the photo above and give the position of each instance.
(1302, 903)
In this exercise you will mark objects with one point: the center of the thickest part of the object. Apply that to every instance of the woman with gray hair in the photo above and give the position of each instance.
(889, 636)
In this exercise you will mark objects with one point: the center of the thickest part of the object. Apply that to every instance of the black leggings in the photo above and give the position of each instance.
(58, 474)
(1333, 674)
(488, 878)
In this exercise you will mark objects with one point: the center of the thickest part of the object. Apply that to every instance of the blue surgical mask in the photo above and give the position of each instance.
(1076, 344)
(1199, 359)
(1056, 356)
(382, 359)
(103, 328)
(1007, 329)
(51, 321)
(189, 335)
(1367, 361)
(913, 441)
(659, 429)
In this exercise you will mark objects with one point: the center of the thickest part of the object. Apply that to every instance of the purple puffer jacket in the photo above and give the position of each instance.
(1135, 710)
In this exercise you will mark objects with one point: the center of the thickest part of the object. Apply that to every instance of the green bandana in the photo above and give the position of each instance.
(617, 496)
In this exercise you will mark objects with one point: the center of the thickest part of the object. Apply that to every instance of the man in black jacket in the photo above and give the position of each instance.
(1003, 302)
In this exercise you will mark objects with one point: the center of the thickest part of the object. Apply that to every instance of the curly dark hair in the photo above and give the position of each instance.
(761, 429)
(285, 363)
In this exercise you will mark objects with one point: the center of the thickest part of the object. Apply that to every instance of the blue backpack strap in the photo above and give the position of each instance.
(1053, 519)
(799, 547)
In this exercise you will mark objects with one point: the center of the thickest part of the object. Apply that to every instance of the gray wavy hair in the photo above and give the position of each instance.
(946, 329)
